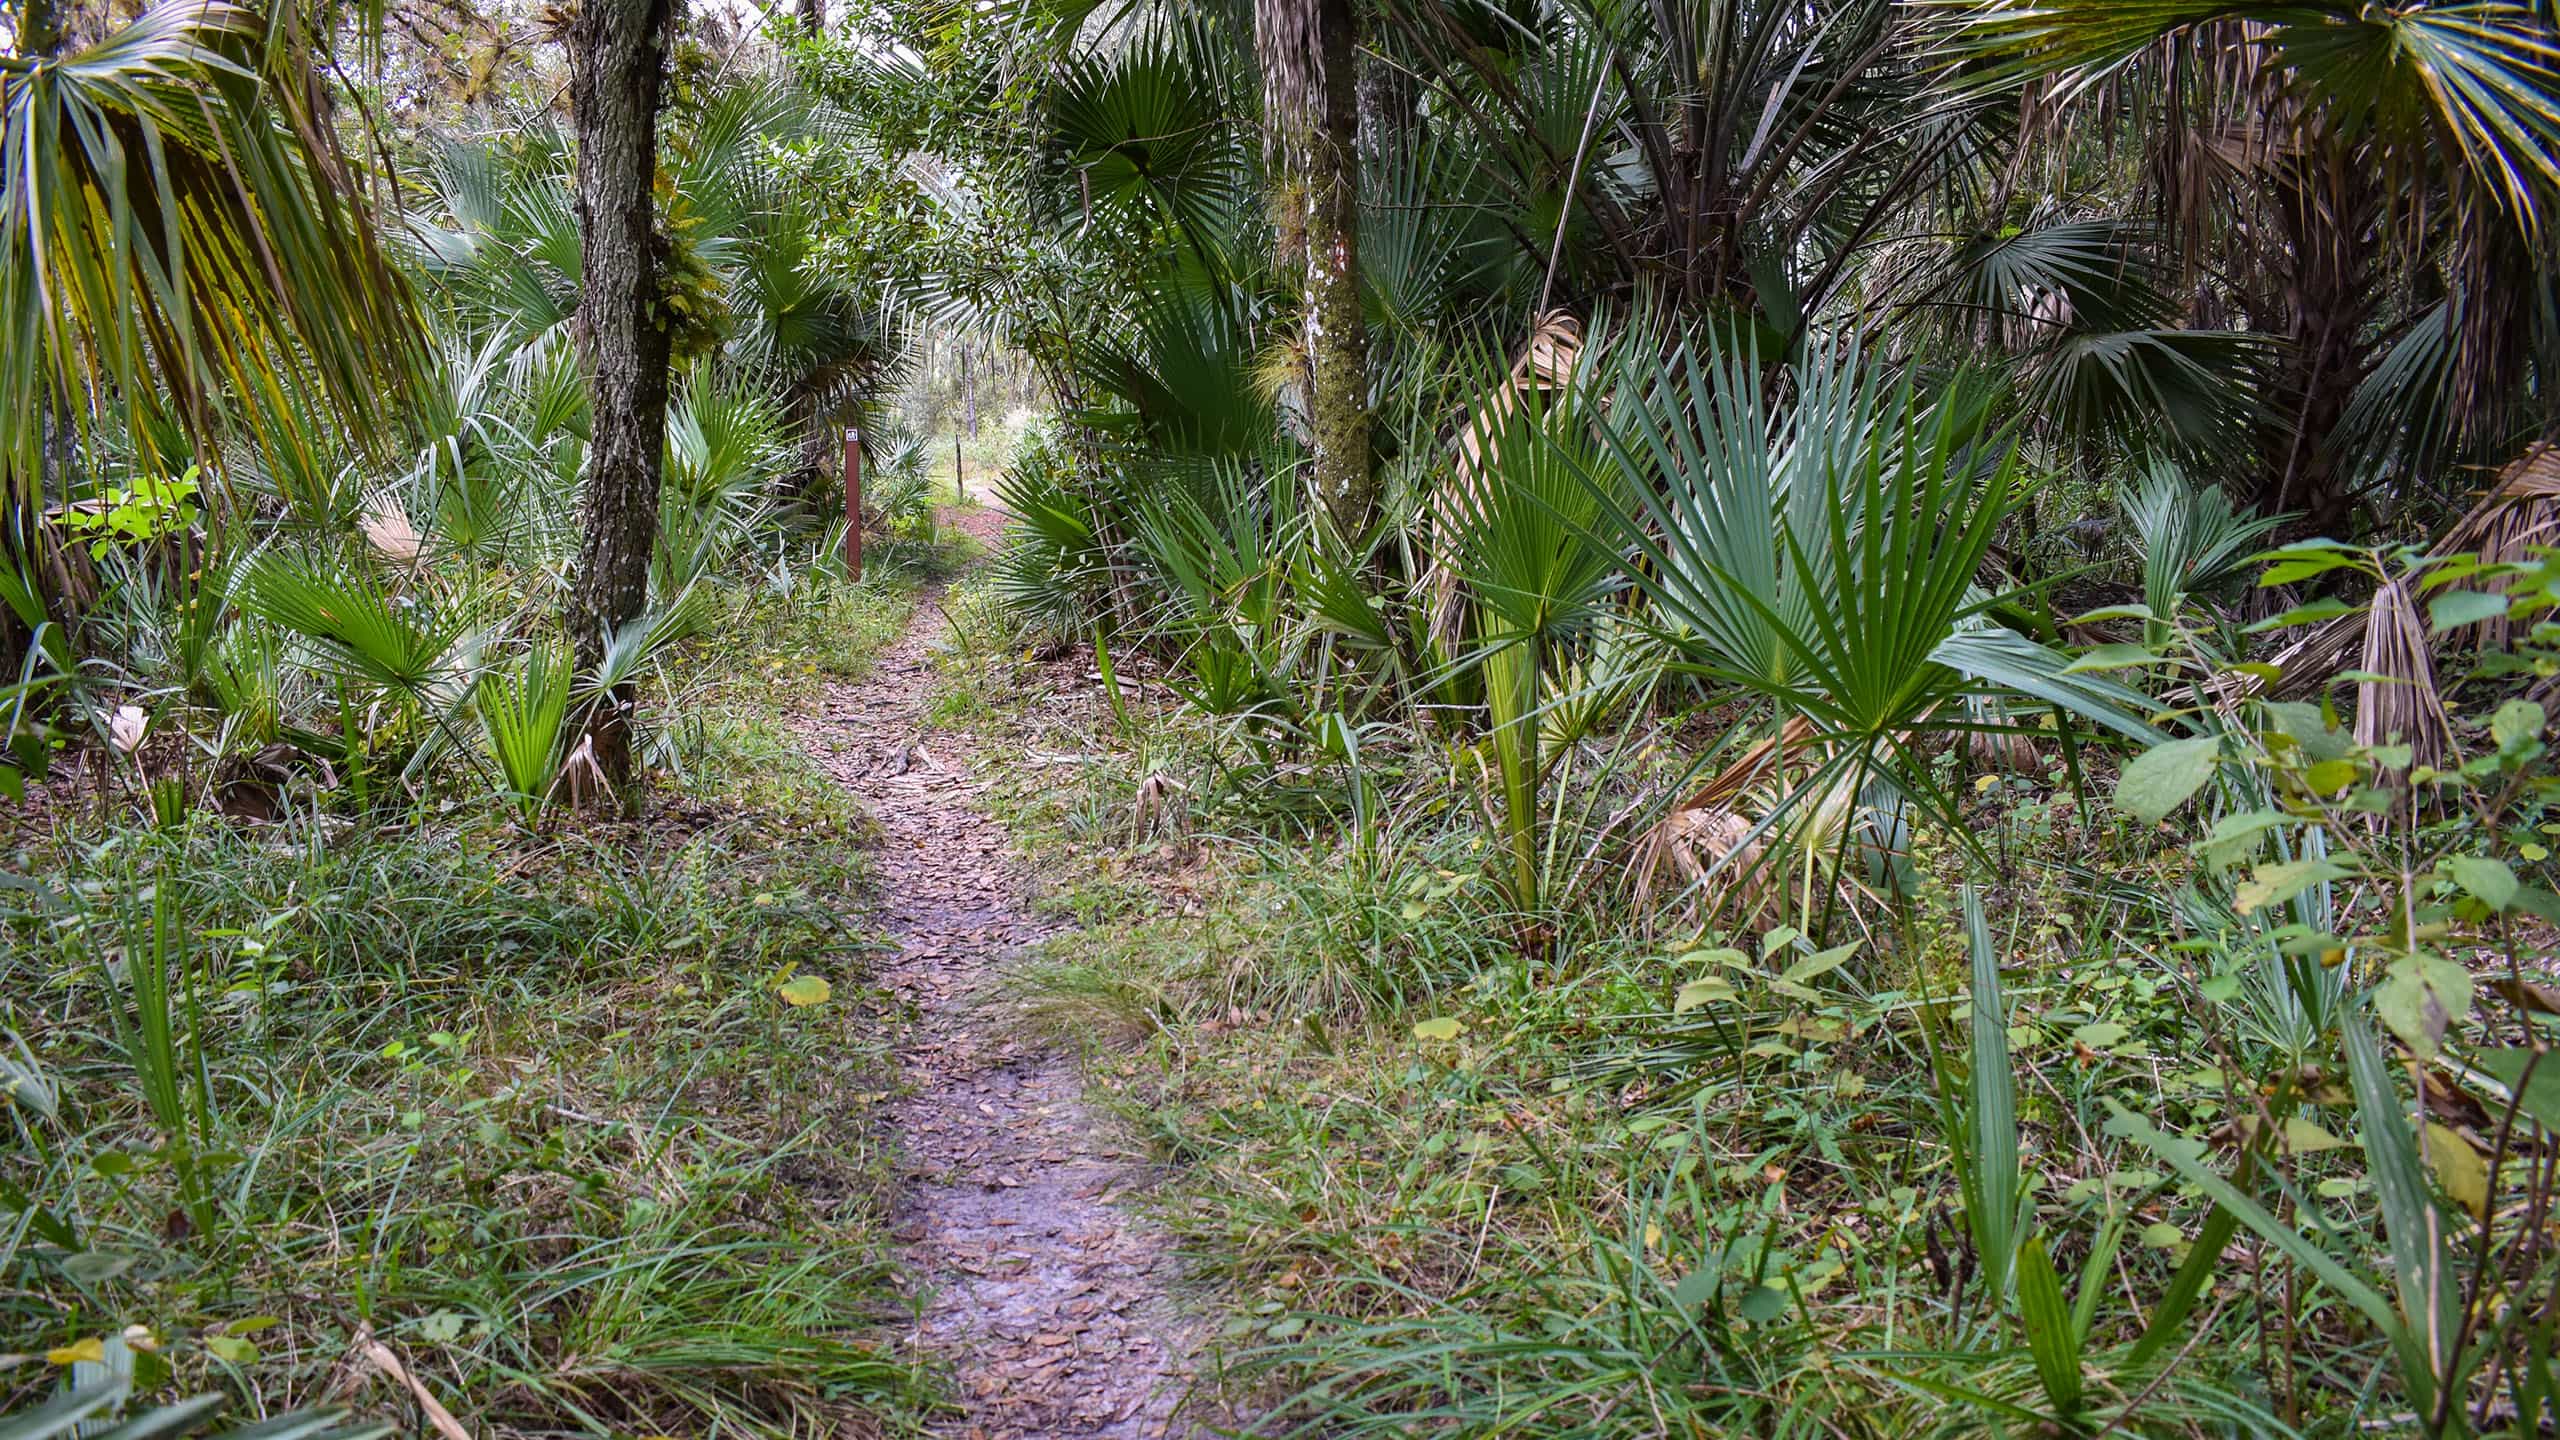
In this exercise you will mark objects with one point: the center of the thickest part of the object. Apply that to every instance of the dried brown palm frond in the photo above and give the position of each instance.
(1546, 362)
(2522, 518)
(1160, 809)
(2519, 512)
(2398, 701)
(1290, 48)
(582, 777)
(1706, 834)
(1772, 755)
(1697, 845)
(2008, 750)
(126, 727)
(387, 528)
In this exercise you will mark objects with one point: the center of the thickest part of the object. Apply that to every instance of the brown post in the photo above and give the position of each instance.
(852, 504)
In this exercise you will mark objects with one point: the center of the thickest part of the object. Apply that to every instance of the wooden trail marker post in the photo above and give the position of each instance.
(852, 504)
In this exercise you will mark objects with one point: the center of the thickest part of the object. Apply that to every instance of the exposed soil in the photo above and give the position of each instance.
(1045, 1300)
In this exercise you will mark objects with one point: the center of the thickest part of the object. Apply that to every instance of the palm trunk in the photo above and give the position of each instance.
(2327, 212)
(1511, 710)
(1389, 101)
(1309, 64)
(618, 51)
(39, 29)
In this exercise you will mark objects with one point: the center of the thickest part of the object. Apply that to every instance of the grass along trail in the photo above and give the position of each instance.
(1044, 1298)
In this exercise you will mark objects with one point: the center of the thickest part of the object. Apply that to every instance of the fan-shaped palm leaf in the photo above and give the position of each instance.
(363, 631)
(175, 220)
(1141, 137)
(1824, 553)
(2477, 84)
(524, 713)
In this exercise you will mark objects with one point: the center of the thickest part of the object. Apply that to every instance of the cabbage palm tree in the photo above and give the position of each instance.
(2341, 154)
(1307, 49)
(185, 254)
(1721, 151)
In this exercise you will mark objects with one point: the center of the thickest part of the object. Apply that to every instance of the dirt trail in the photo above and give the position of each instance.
(1045, 1299)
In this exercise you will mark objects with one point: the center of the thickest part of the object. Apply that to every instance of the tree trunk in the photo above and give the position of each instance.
(617, 57)
(39, 29)
(2326, 212)
(41, 37)
(1390, 104)
(813, 16)
(1307, 49)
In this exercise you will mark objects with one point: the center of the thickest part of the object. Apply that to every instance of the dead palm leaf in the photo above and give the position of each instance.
(387, 528)
(1546, 362)
(1705, 836)
(2519, 512)
(2398, 700)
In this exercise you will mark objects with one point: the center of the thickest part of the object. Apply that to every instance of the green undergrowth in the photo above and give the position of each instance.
(556, 1114)
(1646, 1176)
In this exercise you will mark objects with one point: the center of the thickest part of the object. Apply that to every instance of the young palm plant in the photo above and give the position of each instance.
(524, 714)
(1527, 497)
(1822, 548)
(2192, 539)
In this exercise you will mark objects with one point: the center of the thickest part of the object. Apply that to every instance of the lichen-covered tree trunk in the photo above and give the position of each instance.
(1308, 62)
(617, 57)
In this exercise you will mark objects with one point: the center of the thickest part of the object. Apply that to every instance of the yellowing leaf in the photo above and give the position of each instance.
(2275, 884)
(2422, 996)
(1444, 1028)
(2517, 724)
(2459, 1168)
(1710, 991)
(2304, 1136)
(806, 990)
(93, 1350)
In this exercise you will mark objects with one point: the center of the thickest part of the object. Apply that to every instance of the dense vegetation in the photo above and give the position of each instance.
(1820, 718)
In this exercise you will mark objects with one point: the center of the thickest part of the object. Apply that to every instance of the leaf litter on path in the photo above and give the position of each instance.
(1045, 1300)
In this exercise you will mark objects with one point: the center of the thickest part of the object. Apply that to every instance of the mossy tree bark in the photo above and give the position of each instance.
(617, 57)
(1307, 48)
